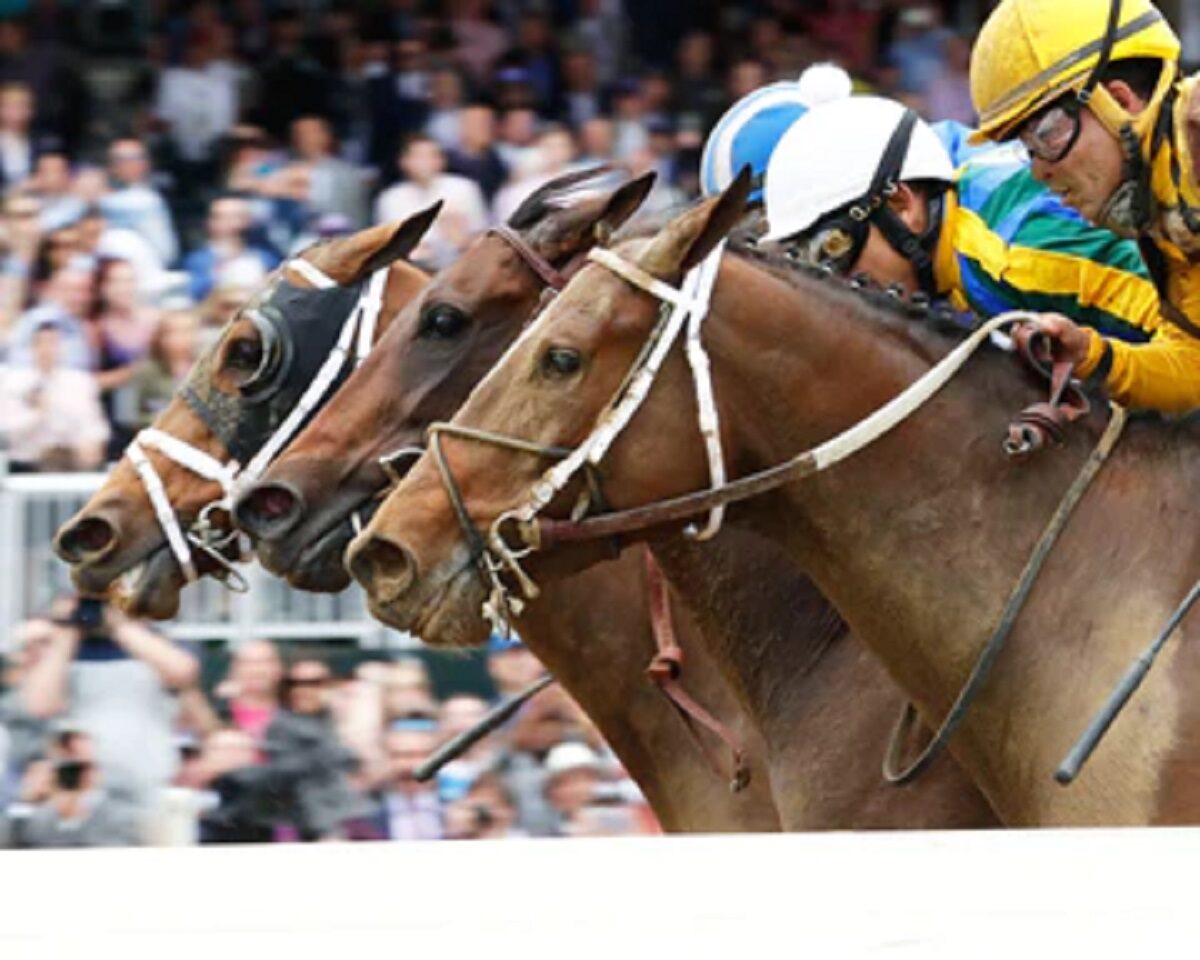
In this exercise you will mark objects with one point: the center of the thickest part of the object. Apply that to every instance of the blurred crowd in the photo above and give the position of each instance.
(108, 737)
(159, 157)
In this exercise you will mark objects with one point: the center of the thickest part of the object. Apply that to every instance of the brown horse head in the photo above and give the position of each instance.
(420, 570)
(236, 396)
(441, 346)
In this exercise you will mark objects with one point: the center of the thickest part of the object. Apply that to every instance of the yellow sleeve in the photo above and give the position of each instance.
(1162, 375)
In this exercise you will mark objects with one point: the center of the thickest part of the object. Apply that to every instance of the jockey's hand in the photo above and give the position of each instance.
(1070, 341)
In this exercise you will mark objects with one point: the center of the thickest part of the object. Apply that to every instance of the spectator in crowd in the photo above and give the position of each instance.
(18, 145)
(479, 43)
(50, 414)
(541, 724)
(511, 666)
(22, 240)
(949, 93)
(537, 53)
(173, 349)
(698, 93)
(115, 678)
(918, 48)
(226, 252)
(27, 737)
(408, 692)
(237, 807)
(311, 766)
(292, 83)
(597, 141)
(603, 28)
(250, 693)
(446, 96)
(64, 801)
(572, 774)
(197, 102)
(121, 324)
(486, 812)
(134, 202)
(476, 156)
(334, 186)
(629, 118)
(409, 809)
(518, 133)
(581, 93)
(456, 715)
(64, 301)
(53, 186)
(463, 212)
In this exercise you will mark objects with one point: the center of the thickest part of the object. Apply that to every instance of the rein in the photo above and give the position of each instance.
(354, 341)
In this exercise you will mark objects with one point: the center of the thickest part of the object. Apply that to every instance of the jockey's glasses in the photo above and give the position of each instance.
(836, 241)
(1051, 132)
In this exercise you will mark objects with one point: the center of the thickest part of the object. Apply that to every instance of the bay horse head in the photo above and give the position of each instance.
(299, 512)
(423, 558)
(161, 518)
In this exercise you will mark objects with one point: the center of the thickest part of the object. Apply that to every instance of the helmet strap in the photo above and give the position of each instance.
(873, 205)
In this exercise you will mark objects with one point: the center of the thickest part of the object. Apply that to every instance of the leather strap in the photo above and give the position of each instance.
(1044, 424)
(549, 274)
(666, 670)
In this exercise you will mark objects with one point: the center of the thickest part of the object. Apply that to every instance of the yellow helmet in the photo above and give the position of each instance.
(1030, 52)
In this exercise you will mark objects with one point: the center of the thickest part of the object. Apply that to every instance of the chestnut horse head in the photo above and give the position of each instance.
(434, 354)
(161, 517)
(420, 568)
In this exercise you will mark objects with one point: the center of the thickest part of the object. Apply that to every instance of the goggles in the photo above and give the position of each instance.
(835, 242)
(1051, 132)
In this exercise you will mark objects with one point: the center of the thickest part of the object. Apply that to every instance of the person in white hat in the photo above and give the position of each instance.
(863, 185)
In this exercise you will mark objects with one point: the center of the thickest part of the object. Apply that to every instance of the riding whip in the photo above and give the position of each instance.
(1069, 769)
(494, 718)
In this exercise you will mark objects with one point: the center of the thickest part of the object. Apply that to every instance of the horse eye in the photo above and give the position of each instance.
(245, 354)
(561, 362)
(443, 322)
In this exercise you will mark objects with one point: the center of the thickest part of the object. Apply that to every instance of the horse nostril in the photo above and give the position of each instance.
(385, 568)
(268, 510)
(89, 538)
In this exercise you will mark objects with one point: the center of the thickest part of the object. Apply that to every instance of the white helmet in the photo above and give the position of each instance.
(829, 158)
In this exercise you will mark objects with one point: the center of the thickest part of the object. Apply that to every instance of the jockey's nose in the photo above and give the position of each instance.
(382, 566)
(88, 539)
(267, 511)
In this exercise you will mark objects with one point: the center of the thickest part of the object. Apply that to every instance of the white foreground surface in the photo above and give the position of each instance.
(1008, 894)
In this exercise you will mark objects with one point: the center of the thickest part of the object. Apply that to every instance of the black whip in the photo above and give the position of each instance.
(494, 718)
(1069, 769)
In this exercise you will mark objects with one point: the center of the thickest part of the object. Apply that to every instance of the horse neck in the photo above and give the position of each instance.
(592, 631)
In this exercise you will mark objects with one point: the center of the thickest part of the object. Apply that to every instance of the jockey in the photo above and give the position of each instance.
(1091, 88)
(865, 186)
(748, 131)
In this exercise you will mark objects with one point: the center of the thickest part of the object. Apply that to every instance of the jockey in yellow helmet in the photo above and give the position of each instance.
(1091, 88)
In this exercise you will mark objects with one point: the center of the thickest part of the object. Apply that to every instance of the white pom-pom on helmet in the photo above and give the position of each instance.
(748, 132)
(828, 159)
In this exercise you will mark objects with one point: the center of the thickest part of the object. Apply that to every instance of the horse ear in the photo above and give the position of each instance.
(690, 237)
(348, 260)
(622, 205)
(403, 241)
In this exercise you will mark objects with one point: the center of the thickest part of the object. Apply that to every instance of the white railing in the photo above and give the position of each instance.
(33, 506)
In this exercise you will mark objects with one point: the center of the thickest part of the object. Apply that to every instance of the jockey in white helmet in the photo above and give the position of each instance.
(865, 186)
